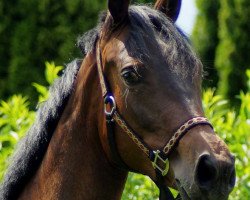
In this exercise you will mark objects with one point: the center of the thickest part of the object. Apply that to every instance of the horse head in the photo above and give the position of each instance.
(152, 85)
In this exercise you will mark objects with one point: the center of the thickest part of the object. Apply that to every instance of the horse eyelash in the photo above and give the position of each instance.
(125, 95)
(137, 71)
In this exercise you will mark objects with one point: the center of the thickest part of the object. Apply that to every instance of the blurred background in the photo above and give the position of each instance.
(34, 32)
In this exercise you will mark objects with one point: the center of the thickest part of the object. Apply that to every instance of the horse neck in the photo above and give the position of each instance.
(75, 165)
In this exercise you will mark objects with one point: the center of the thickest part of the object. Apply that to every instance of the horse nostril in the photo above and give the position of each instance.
(206, 172)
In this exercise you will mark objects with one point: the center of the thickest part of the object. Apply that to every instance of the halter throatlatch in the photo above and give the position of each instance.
(158, 158)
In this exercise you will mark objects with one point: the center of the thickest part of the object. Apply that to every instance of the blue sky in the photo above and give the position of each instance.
(187, 16)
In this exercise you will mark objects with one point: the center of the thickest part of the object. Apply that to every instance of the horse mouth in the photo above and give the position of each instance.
(184, 195)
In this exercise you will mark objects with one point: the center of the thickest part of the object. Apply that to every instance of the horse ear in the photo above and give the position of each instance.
(169, 7)
(118, 9)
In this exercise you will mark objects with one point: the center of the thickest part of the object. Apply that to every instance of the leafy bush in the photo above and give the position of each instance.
(232, 126)
(51, 73)
(139, 187)
(15, 119)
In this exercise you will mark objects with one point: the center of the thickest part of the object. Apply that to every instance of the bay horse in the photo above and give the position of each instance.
(132, 104)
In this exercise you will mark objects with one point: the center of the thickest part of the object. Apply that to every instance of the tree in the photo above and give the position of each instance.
(221, 38)
(205, 39)
(33, 31)
(232, 54)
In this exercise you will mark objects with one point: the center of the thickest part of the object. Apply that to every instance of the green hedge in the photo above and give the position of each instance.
(233, 127)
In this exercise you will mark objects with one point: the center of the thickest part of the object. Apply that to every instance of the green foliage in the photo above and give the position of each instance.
(232, 57)
(15, 119)
(51, 73)
(248, 79)
(220, 36)
(139, 187)
(205, 38)
(34, 31)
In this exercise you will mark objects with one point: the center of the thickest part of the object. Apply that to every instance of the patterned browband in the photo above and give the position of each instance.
(159, 158)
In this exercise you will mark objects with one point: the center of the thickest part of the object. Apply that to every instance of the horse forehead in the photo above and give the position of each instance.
(116, 51)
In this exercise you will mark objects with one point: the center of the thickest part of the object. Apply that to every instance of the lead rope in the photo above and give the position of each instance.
(158, 158)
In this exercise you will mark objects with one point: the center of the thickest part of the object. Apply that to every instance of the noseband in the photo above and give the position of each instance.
(159, 157)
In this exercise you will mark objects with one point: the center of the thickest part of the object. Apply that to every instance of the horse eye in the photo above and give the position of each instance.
(130, 76)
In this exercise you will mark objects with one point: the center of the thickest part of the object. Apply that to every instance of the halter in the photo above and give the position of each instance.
(159, 157)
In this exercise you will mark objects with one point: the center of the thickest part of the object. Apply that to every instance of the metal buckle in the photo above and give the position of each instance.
(109, 100)
(165, 163)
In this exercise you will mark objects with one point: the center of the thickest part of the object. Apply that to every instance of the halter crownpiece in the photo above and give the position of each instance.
(159, 158)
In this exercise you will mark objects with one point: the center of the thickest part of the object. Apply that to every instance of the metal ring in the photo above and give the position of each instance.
(109, 100)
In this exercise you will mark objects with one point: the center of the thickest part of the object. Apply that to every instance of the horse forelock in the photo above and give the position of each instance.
(149, 25)
(32, 148)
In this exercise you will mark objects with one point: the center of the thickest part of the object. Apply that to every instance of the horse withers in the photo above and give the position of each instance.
(132, 104)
